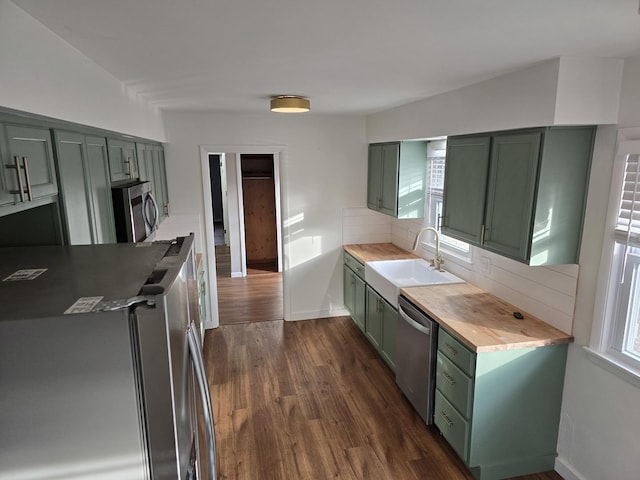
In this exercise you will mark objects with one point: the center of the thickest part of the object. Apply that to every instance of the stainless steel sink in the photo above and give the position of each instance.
(387, 277)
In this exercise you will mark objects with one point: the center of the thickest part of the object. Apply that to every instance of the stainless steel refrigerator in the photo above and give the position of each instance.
(101, 368)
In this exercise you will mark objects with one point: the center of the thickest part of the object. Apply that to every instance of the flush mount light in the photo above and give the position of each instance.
(289, 104)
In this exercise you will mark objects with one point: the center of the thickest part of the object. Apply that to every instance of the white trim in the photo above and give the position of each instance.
(279, 152)
(566, 470)
(239, 187)
(209, 241)
(619, 369)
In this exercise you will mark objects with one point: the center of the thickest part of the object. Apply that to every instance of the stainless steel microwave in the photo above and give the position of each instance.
(135, 210)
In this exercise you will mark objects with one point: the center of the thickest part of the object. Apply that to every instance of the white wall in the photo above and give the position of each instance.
(41, 73)
(601, 412)
(323, 170)
(565, 90)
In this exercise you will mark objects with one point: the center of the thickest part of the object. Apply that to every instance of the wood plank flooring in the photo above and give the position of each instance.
(313, 400)
(254, 298)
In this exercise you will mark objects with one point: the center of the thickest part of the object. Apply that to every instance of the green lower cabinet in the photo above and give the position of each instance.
(501, 417)
(354, 297)
(381, 324)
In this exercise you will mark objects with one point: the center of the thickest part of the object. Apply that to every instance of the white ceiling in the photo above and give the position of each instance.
(347, 56)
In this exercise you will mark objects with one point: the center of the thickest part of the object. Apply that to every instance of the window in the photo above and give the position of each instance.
(624, 341)
(617, 336)
(436, 155)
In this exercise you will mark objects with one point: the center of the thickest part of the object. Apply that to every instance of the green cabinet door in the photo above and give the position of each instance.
(374, 177)
(100, 190)
(349, 289)
(36, 168)
(510, 196)
(354, 297)
(375, 315)
(123, 163)
(74, 191)
(465, 187)
(160, 181)
(389, 185)
(152, 168)
(389, 327)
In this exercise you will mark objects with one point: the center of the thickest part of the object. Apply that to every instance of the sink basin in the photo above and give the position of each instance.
(387, 277)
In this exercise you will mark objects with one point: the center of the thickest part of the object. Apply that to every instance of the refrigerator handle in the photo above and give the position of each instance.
(203, 386)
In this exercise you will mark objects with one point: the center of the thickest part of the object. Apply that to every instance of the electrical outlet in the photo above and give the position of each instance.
(485, 265)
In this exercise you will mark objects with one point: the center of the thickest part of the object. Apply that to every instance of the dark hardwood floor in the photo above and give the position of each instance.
(312, 400)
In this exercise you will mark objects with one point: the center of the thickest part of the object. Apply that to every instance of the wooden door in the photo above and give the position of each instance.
(261, 244)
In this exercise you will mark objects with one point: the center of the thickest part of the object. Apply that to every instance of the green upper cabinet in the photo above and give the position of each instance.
(123, 164)
(152, 168)
(520, 193)
(28, 171)
(396, 178)
(85, 188)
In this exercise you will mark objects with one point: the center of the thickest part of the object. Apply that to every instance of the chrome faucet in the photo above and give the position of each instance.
(438, 260)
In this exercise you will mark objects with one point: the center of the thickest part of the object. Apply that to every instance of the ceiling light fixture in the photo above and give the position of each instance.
(290, 104)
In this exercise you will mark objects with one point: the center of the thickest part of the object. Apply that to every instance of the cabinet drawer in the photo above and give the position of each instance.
(454, 385)
(354, 265)
(454, 428)
(455, 351)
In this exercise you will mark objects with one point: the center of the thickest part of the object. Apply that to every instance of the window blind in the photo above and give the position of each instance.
(628, 223)
(436, 152)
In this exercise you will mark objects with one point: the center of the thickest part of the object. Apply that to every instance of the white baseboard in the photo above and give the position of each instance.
(566, 470)
(335, 312)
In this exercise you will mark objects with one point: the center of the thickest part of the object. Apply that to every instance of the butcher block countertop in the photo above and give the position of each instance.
(481, 321)
(371, 252)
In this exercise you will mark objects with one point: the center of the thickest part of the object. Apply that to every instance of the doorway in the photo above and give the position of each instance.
(245, 222)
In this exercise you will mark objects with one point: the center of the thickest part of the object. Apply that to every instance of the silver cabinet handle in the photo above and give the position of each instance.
(129, 167)
(447, 420)
(205, 397)
(450, 349)
(16, 166)
(449, 378)
(25, 165)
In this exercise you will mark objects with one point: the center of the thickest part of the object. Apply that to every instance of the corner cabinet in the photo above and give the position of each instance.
(396, 178)
(500, 410)
(520, 194)
(28, 171)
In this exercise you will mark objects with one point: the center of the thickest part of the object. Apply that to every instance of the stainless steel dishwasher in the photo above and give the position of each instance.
(416, 346)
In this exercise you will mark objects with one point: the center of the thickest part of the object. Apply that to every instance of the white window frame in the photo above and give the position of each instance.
(618, 287)
(433, 210)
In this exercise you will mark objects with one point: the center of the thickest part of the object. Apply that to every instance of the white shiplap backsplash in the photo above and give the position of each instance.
(548, 292)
